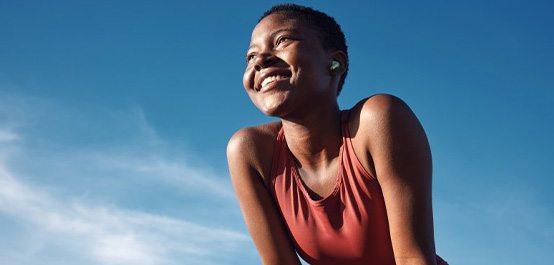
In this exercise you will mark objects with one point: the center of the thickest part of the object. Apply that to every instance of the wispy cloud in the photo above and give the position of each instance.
(110, 235)
(7, 136)
(100, 231)
(178, 173)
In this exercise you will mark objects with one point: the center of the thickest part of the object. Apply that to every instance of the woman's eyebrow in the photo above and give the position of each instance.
(272, 35)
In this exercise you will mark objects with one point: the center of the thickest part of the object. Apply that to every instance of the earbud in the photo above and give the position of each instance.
(334, 65)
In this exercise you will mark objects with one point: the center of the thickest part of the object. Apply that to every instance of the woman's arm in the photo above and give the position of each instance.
(259, 211)
(400, 151)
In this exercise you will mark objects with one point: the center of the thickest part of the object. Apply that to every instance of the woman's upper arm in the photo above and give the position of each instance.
(259, 211)
(401, 155)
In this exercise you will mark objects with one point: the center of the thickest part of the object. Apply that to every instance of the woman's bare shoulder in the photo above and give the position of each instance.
(377, 106)
(250, 139)
(369, 123)
(379, 111)
(254, 146)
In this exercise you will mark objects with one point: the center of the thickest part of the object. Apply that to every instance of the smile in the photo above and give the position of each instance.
(270, 79)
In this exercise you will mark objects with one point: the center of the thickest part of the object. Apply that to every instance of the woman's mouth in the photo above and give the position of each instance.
(268, 80)
(271, 76)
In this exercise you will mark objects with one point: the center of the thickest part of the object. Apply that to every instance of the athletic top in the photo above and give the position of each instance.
(349, 226)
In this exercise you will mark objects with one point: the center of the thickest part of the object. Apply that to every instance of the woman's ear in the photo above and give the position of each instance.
(338, 63)
(334, 65)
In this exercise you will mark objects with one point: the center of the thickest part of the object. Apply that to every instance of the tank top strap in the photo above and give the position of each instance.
(280, 134)
(277, 161)
(349, 153)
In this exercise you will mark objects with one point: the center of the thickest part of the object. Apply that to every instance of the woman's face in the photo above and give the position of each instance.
(287, 66)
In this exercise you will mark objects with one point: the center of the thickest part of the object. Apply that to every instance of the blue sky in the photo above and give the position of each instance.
(114, 118)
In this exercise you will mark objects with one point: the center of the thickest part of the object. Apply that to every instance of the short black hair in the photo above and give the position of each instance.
(331, 35)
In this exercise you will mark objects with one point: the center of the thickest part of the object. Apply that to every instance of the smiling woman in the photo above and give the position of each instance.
(338, 187)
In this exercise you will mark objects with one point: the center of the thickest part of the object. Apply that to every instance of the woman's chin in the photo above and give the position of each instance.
(275, 106)
(273, 110)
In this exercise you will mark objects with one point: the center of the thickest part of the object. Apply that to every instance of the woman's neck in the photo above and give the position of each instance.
(315, 139)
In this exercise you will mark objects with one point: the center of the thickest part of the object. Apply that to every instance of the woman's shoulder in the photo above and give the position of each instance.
(254, 145)
(378, 111)
(254, 136)
(376, 106)
(374, 120)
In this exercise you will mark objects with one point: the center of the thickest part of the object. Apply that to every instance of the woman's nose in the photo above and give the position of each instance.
(264, 61)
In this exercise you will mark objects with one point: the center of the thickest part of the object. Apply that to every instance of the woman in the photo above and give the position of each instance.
(377, 208)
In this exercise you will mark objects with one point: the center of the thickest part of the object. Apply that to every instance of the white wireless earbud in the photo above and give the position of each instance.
(334, 65)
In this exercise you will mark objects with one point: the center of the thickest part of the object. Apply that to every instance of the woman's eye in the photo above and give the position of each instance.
(250, 57)
(281, 40)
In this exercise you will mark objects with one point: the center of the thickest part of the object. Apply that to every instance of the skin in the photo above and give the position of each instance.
(386, 136)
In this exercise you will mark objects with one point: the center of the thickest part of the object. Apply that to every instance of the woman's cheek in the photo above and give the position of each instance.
(248, 79)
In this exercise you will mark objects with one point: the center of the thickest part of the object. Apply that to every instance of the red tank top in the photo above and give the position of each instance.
(349, 226)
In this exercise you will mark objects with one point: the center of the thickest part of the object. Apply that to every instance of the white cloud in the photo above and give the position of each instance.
(177, 172)
(8, 136)
(109, 235)
(98, 231)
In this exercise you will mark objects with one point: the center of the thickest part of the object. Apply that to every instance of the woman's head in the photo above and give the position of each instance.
(329, 31)
(289, 60)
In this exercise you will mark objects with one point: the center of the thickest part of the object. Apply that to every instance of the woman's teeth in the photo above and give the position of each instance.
(272, 78)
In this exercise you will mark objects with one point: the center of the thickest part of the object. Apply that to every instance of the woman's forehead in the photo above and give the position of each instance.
(278, 22)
